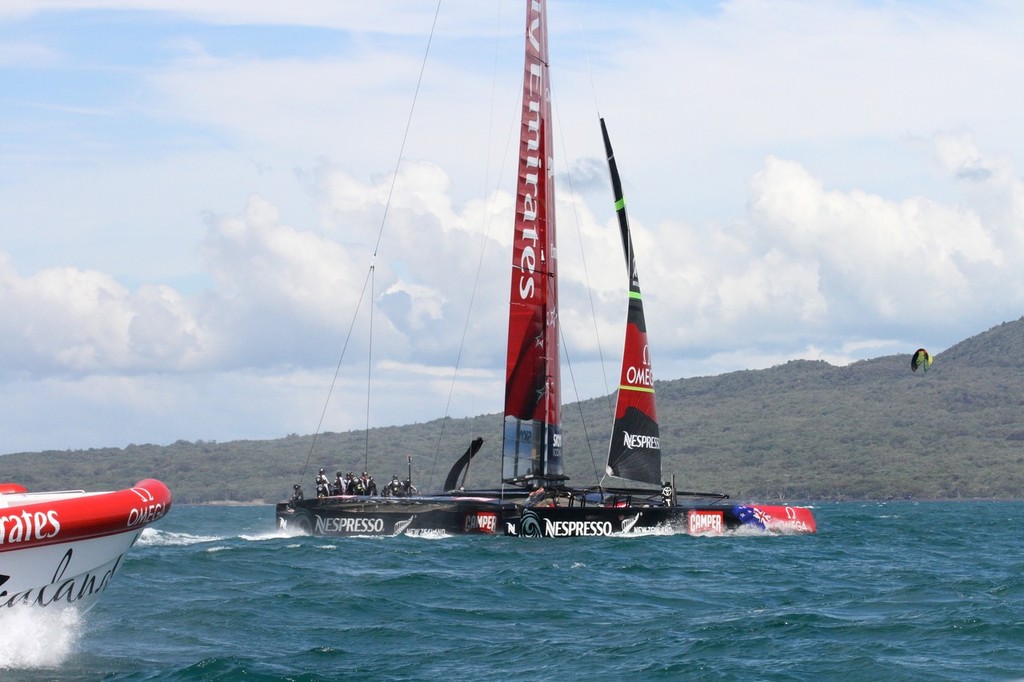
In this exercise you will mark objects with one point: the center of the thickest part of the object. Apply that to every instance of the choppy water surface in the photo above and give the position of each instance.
(884, 591)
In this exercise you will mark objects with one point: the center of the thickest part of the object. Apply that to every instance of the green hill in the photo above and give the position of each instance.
(799, 431)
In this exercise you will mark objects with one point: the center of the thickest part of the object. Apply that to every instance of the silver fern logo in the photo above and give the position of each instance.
(627, 524)
(401, 526)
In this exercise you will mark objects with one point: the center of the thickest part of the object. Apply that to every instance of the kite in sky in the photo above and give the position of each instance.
(921, 359)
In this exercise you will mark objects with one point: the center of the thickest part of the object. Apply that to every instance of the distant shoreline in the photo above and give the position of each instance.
(264, 503)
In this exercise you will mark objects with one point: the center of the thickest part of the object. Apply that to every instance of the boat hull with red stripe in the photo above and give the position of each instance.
(62, 548)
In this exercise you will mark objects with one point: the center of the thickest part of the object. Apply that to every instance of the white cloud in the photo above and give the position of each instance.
(871, 254)
(262, 264)
(822, 180)
(65, 320)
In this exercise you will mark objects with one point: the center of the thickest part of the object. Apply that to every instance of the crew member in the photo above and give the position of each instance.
(321, 484)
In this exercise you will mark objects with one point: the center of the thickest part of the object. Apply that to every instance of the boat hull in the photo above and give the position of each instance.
(62, 549)
(357, 516)
(712, 519)
(451, 515)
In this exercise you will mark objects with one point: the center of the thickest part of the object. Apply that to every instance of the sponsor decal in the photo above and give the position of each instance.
(60, 590)
(634, 442)
(528, 237)
(149, 512)
(26, 526)
(705, 522)
(639, 376)
(531, 525)
(349, 524)
(481, 522)
(791, 524)
(763, 518)
(563, 529)
(642, 375)
(145, 515)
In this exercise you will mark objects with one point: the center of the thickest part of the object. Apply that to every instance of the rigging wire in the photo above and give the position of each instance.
(597, 110)
(590, 68)
(370, 272)
(586, 273)
(408, 125)
(369, 370)
(600, 347)
(579, 405)
(586, 276)
(489, 222)
(337, 371)
(593, 309)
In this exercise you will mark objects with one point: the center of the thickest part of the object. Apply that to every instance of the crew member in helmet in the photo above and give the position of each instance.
(297, 495)
(339, 484)
(322, 489)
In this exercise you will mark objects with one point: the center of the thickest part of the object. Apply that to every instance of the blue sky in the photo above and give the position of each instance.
(190, 193)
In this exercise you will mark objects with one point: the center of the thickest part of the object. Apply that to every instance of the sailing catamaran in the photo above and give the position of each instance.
(633, 497)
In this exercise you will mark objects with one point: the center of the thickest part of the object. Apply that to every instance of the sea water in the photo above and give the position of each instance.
(915, 591)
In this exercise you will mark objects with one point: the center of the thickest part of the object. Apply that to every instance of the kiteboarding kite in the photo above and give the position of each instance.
(921, 359)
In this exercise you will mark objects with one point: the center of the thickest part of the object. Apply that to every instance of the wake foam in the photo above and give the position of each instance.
(151, 537)
(275, 535)
(37, 638)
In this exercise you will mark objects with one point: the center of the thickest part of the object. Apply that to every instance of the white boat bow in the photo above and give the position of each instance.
(61, 548)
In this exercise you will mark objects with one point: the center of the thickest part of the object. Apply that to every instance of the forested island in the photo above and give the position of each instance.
(801, 431)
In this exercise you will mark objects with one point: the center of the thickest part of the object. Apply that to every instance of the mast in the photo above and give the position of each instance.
(532, 442)
(634, 453)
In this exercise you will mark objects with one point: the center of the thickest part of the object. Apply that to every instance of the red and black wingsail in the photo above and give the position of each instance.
(532, 445)
(634, 453)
